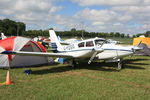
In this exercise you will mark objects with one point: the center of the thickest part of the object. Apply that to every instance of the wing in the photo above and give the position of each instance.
(63, 55)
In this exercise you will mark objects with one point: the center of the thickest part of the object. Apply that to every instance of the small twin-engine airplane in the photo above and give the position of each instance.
(87, 49)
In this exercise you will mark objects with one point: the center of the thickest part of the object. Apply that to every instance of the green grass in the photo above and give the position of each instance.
(97, 81)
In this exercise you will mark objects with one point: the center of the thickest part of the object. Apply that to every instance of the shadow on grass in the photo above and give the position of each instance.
(134, 64)
(58, 69)
(68, 68)
(99, 66)
(132, 67)
(132, 61)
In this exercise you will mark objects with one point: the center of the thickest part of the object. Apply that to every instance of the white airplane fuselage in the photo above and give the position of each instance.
(80, 53)
(114, 51)
(83, 49)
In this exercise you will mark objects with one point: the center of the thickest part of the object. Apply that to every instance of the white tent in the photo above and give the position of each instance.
(20, 44)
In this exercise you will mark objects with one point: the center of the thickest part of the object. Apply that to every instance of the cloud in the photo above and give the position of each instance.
(96, 15)
(128, 19)
(112, 2)
(36, 12)
(131, 16)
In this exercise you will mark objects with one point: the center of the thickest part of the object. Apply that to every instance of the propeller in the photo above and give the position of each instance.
(96, 51)
(136, 48)
(92, 57)
(139, 43)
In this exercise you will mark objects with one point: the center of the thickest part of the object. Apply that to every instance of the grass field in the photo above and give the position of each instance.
(98, 81)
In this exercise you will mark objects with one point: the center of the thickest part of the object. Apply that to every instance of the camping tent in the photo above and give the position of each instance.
(145, 44)
(20, 44)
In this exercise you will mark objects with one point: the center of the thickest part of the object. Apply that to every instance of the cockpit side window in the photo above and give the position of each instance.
(89, 44)
(81, 44)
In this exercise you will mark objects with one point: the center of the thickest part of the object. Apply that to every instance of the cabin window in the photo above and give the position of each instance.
(89, 44)
(81, 44)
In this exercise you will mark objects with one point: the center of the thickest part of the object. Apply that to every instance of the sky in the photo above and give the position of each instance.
(125, 16)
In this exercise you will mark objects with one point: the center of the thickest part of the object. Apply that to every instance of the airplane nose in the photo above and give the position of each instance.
(136, 48)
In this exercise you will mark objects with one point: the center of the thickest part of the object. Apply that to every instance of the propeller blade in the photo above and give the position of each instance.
(102, 44)
(137, 48)
(96, 52)
(93, 56)
(139, 43)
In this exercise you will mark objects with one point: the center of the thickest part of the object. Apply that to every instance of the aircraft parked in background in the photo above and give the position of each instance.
(68, 41)
(113, 41)
(90, 49)
(3, 36)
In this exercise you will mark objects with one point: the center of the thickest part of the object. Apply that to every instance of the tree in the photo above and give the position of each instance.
(111, 34)
(10, 27)
(128, 36)
(117, 34)
(73, 30)
(133, 36)
(122, 35)
(20, 28)
(147, 34)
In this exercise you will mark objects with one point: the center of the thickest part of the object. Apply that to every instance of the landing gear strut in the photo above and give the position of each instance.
(73, 63)
(120, 64)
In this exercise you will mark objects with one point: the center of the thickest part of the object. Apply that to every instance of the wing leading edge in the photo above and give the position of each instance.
(37, 54)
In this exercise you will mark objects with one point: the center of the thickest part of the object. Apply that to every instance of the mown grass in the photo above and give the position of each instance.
(97, 81)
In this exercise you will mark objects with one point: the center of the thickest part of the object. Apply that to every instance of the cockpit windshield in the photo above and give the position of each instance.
(99, 42)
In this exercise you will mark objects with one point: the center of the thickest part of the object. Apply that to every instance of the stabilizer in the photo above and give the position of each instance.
(55, 43)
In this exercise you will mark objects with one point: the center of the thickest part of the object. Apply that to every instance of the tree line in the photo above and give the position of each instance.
(146, 34)
(76, 33)
(12, 28)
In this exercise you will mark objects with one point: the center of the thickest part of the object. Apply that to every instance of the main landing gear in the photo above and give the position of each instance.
(73, 63)
(120, 64)
(118, 61)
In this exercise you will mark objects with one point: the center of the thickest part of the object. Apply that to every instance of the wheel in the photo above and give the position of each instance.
(73, 64)
(119, 65)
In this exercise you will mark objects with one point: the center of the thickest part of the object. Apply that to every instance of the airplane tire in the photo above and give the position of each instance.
(73, 65)
(119, 65)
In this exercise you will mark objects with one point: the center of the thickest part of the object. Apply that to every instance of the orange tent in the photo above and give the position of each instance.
(144, 40)
(145, 44)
